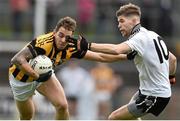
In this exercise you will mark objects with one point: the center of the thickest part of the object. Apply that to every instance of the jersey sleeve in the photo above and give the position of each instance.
(136, 43)
(35, 50)
(79, 54)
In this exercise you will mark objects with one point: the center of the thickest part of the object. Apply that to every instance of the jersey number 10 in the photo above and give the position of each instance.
(161, 49)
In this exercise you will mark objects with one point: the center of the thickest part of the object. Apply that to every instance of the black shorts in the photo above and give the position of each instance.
(144, 104)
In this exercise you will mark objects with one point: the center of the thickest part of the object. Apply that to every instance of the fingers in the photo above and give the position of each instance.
(74, 42)
(73, 50)
(71, 39)
(71, 45)
(79, 43)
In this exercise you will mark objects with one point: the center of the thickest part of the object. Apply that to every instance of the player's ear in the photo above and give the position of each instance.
(133, 20)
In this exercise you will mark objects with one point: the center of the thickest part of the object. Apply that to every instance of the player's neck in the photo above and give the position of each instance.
(135, 29)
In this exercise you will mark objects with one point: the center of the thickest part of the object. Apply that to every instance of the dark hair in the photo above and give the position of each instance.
(66, 22)
(128, 9)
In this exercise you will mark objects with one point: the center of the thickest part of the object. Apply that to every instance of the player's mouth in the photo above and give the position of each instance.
(61, 45)
(122, 31)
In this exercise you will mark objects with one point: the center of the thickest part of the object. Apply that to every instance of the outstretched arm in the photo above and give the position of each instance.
(82, 44)
(110, 48)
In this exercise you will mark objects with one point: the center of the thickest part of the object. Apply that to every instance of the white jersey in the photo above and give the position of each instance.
(152, 62)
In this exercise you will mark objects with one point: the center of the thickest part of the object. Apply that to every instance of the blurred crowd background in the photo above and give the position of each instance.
(93, 89)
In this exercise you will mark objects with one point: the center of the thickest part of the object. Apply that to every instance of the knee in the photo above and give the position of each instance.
(27, 116)
(111, 116)
(63, 106)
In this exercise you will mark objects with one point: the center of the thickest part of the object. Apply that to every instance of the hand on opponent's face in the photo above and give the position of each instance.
(79, 43)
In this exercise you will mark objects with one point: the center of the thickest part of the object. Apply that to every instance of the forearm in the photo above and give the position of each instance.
(25, 66)
(94, 56)
(115, 49)
(104, 48)
(28, 70)
(20, 60)
(112, 58)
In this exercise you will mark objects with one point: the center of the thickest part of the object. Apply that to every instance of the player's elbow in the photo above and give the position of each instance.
(15, 60)
(174, 59)
(116, 50)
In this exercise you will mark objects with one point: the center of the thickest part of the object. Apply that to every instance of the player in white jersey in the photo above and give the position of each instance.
(153, 61)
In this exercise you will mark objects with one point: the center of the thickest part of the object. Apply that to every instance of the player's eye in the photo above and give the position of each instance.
(121, 21)
(61, 35)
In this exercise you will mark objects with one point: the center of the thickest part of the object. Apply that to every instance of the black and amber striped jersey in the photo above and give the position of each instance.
(45, 45)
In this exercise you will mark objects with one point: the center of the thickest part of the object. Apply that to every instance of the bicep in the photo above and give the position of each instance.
(172, 59)
(172, 63)
(172, 56)
(123, 48)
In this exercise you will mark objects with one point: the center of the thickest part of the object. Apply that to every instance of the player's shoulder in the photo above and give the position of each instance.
(148, 32)
(136, 33)
(143, 34)
(48, 36)
(45, 38)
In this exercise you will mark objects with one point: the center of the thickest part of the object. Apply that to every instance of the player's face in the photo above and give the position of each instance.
(60, 37)
(125, 25)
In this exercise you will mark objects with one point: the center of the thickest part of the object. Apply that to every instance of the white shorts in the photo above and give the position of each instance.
(141, 104)
(21, 90)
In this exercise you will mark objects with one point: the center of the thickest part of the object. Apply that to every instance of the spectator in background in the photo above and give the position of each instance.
(103, 76)
(79, 87)
(51, 16)
(85, 13)
(18, 7)
(165, 23)
(118, 85)
(103, 11)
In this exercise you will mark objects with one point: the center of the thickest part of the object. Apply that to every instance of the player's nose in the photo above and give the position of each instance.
(119, 26)
(63, 39)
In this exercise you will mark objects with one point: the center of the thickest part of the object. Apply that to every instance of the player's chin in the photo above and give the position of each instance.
(61, 47)
(123, 34)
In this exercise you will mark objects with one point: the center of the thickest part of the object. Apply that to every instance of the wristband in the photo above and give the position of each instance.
(171, 76)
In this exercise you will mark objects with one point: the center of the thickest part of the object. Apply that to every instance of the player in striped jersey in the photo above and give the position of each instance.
(155, 64)
(24, 80)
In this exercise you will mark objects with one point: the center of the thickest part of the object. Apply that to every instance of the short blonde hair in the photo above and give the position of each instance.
(66, 22)
(128, 9)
